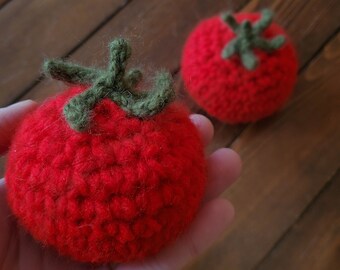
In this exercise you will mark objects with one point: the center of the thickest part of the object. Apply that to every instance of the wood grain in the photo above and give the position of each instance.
(156, 29)
(309, 24)
(33, 30)
(3, 3)
(287, 160)
(165, 49)
(313, 243)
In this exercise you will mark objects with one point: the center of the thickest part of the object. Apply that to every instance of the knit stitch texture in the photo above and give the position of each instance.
(227, 90)
(118, 192)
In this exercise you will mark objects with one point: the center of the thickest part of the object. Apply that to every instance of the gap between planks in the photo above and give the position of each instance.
(308, 207)
(39, 79)
(3, 3)
(140, 16)
(74, 49)
(301, 70)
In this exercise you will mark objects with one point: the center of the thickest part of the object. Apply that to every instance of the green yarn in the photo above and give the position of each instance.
(114, 83)
(248, 37)
(69, 72)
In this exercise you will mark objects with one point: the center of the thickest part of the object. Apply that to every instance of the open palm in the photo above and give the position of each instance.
(20, 252)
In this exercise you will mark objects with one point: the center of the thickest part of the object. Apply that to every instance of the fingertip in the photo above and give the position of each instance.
(10, 118)
(229, 159)
(204, 127)
(211, 222)
(224, 167)
(227, 208)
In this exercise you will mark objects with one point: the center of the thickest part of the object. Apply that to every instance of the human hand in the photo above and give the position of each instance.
(19, 251)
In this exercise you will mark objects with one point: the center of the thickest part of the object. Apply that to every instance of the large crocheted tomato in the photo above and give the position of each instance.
(104, 173)
(239, 69)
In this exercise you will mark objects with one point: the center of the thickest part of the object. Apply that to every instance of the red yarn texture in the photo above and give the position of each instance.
(117, 193)
(223, 87)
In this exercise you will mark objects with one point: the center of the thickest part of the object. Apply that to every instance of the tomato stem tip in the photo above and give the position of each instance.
(113, 83)
(248, 37)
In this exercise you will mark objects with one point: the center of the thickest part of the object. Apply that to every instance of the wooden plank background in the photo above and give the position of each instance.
(287, 200)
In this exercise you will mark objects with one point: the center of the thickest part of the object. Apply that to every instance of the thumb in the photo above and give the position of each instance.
(10, 117)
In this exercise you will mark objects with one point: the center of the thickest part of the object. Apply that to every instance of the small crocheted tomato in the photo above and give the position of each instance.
(239, 69)
(105, 173)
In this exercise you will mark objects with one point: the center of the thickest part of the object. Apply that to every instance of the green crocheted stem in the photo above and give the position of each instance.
(114, 83)
(248, 37)
(69, 72)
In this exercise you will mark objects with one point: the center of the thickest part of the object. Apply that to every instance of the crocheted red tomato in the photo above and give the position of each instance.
(105, 173)
(239, 69)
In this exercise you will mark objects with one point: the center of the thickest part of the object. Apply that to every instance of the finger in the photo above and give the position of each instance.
(209, 224)
(204, 127)
(5, 224)
(224, 167)
(10, 117)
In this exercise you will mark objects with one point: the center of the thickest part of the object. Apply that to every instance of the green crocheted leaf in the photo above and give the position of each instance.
(114, 83)
(248, 37)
